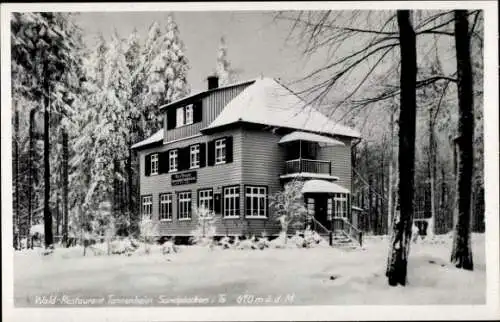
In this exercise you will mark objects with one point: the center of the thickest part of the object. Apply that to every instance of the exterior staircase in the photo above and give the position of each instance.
(346, 236)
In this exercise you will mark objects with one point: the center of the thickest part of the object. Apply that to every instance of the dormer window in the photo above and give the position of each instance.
(189, 114)
(184, 115)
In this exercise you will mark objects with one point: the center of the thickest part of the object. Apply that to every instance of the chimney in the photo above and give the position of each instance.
(213, 82)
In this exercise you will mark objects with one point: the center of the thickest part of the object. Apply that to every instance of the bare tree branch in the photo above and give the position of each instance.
(438, 32)
(434, 79)
(357, 53)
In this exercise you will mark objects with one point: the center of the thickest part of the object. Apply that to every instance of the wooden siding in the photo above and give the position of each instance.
(340, 157)
(212, 105)
(214, 177)
(263, 163)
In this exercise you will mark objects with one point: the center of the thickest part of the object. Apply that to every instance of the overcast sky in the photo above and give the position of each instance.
(256, 43)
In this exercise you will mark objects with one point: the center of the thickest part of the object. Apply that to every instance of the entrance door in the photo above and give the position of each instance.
(321, 210)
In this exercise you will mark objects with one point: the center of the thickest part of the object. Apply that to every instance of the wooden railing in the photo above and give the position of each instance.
(318, 227)
(342, 224)
(308, 165)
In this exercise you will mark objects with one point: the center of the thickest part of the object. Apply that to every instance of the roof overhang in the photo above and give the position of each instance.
(310, 137)
(153, 140)
(322, 186)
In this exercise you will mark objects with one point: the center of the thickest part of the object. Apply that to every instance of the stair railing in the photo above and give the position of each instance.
(316, 224)
(353, 232)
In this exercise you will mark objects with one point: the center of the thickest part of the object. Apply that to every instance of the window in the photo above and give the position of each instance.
(166, 206)
(180, 116)
(189, 114)
(340, 200)
(310, 206)
(172, 160)
(329, 207)
(147, 207)
(220, 151)
(256, 201)
(205, 199)
(184, 209)
(184, 115)
(195, 156)
(154, 163)
(231, 202)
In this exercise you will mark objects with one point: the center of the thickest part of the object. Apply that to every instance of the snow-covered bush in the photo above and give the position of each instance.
(263, 243)
(249, 243)
(312, 238)
(298, 240)
(280, 241)
(123, 246)
(289, 205)
(148, 230)
(168, 247)
(205, 230)
(225, 242)
(236, 242)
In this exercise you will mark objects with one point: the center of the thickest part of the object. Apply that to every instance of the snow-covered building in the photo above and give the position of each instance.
(229, 148)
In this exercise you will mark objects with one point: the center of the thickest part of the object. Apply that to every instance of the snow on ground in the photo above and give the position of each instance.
(231, 277)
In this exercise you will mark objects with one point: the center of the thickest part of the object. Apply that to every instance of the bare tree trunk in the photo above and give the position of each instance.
(17, 229)
(58, 216)
(391, 164)
(130, 189)
(401, 235)
(30, 172)
(47, 216)
(461, 254)
(65, 186)
(370, 205)
(432, 175)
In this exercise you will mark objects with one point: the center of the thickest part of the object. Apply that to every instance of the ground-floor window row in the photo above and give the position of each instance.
(226, 202)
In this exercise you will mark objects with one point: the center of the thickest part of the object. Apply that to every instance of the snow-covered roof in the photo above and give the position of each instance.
(185, 98)
(311, 137)
(312, 186)
(157, 137)
(268, 102)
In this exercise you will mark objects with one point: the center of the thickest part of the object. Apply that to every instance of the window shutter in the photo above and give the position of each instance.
(183, 158)
(229, 149)
(197, 111)
(203, 154)
(171, 119)
(217, 203)
(163, 162)
(147, 165)
(211, 153)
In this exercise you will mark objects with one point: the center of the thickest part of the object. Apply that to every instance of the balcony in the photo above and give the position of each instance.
(309, 166)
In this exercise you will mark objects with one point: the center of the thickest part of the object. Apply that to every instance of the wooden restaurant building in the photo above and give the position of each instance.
(229, 148)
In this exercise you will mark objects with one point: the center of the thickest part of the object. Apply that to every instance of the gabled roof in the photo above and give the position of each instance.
(265, 101)
(268, 102)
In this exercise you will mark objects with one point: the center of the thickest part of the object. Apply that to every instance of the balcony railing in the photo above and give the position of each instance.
(308, 165)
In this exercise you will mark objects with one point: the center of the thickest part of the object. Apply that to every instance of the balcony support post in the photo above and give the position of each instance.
(300, 154)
